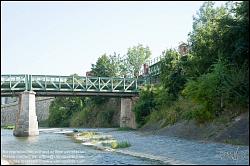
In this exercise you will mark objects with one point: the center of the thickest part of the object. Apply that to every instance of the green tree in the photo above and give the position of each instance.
(102, 68)
(238, 30)
(114, 61)
(136, 57)
(108, 66)
(70, 79)
(125, 68)
(221, 31)
(206, 38)
(173, 72)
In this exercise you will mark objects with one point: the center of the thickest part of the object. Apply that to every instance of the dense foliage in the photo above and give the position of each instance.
(62, 109)
(173, 72)
(213, 76)
(145, 105)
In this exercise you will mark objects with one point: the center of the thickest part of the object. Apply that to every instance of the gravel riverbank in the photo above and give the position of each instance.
(235, 132)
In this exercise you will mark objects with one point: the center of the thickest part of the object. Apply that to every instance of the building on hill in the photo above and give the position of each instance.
(183, 48)
(89, 73)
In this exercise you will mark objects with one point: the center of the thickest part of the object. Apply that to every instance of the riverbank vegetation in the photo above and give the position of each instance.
(212, 79)
(98, 140)
(83, 112)
(10, 127)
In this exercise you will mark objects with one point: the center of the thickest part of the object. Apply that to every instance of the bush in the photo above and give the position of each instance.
(224, 87)
(62, 109)
(80, 119)
(154, 116)
(236, 87)
(104, 118)
(178, 110)
(122, 144)
(168, 115)
(202, 115)
(145, 104)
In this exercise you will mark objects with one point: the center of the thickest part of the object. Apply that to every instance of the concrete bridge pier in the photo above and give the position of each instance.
(127, 117)
(26, 119)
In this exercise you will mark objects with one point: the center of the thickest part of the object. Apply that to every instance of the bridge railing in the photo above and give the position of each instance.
(14, 82)
(79, 83)
(51, 83)
(155, 69)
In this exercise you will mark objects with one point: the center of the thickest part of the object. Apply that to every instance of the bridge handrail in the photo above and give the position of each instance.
(70, 83)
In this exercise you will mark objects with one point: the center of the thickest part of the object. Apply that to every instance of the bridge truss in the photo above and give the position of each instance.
(50, 85)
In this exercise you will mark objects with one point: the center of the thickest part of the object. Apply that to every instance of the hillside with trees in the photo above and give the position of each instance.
(211, 82)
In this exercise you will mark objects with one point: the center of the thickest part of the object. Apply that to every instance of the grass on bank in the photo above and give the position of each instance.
(88, 134)
(116, 145)
(97, 138)
(9, 127)
(234, 142)
(169, 115)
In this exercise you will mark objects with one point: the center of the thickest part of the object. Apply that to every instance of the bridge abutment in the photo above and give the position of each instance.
(26, 119)
(127, 116)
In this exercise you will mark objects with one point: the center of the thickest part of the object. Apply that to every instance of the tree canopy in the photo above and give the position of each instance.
(136, 57)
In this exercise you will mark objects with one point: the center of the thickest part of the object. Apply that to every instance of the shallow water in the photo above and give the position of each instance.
(54, 148)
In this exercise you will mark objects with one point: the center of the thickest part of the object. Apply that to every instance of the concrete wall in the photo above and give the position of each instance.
(9, 111)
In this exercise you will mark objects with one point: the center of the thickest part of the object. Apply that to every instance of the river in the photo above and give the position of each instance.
(51, 147)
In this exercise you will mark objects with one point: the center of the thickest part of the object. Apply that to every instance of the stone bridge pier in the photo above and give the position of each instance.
(26, 119)
(127, 116)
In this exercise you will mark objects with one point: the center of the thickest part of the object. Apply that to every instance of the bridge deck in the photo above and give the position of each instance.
(45, 85)
(52, 85)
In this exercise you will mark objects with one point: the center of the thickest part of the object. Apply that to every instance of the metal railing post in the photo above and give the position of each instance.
(136, 84)
(59, 83)
(45, 83)
(10, 81)
(99, 82)
(124, 86)
(26, 82)
(112, 86)
(73, 82)
(30, 83)
(86, 84)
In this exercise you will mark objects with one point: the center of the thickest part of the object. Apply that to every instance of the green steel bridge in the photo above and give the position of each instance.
(49, 85)
(53, 85)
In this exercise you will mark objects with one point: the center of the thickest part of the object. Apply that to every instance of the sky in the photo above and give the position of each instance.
(62, 38)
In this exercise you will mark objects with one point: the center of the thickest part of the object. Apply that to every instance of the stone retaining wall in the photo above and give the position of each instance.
(8, 111)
